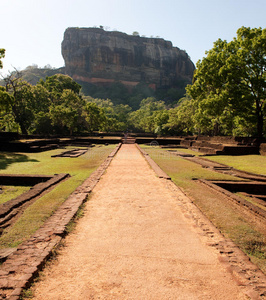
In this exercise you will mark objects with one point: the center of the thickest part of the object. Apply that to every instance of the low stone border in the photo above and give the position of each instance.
(20, 268)
(23, 179)
(35, 191)
(159, 172)
(222, 168)
(244, 272)
(238, 200)
(72, 153)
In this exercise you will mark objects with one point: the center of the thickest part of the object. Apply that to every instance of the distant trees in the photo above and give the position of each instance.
(95, 117)
(181, 118)
(119, 94)
(51, 103)
(116, 117)
(150, 117)
(227, 97)
(55, 105)
(18, 100)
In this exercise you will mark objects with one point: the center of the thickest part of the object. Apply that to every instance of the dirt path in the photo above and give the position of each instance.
(135, 242)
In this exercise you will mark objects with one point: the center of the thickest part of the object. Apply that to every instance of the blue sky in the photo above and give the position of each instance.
(32, 30)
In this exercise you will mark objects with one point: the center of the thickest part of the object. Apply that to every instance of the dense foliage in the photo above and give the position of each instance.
(57, 106)
(227, 97)
(119, 94)
(229, 88)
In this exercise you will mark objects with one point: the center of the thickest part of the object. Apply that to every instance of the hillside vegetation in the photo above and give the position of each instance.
(227, 97)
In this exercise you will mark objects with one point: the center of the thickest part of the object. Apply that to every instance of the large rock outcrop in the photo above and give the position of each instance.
(96, 56)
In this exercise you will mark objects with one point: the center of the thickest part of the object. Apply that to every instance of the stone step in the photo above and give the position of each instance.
(207, 150)
(129, 140)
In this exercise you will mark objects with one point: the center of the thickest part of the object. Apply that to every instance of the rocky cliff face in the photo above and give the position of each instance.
(100, 57)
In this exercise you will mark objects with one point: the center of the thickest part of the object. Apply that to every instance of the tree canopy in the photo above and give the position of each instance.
(229, 86)
(2, 55)
(227, 97)
(55, 106)
(51, 103)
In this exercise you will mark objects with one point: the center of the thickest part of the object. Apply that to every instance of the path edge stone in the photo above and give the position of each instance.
(244, 272)
(158, 171)
(23, 265)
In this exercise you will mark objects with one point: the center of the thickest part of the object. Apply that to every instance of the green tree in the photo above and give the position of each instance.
(42, 99)
(121, 114)
(53, 105)
(56, 84)
(6, 118)
(62, 108)
(161, 118)
(229, 83)
(181, 118)
(117, 116)
(67, 113)
(20, 100)
(5, 99)
(143, 119)
(95, 117)
(2, 55)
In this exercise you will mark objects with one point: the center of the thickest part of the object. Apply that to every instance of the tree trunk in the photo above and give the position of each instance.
(259, 113)
(260, 125)
(23, 129)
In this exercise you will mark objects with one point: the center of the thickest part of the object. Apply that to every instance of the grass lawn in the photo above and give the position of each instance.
(42, 163)
(11, 192)
(188, 151)
(249, 163)
(220, 212)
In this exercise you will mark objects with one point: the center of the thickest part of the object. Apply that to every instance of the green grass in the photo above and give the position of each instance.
(221, 213)
(41, 163)
(11, 192)
(251, 200)
(249, 163)
(188, 151)
(180, 170)
(8, 158)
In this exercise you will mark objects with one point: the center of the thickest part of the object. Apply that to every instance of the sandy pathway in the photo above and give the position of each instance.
(134, 242)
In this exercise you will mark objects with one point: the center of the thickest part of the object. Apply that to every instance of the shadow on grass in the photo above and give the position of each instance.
(7, 159)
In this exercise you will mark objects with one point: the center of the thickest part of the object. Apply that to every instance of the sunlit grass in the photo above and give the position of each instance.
(251, 200)
(180, 170)
(41, 163)
(187, 151)
(249, 163)
(221, 213)
(11, 192)
(9, 158)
